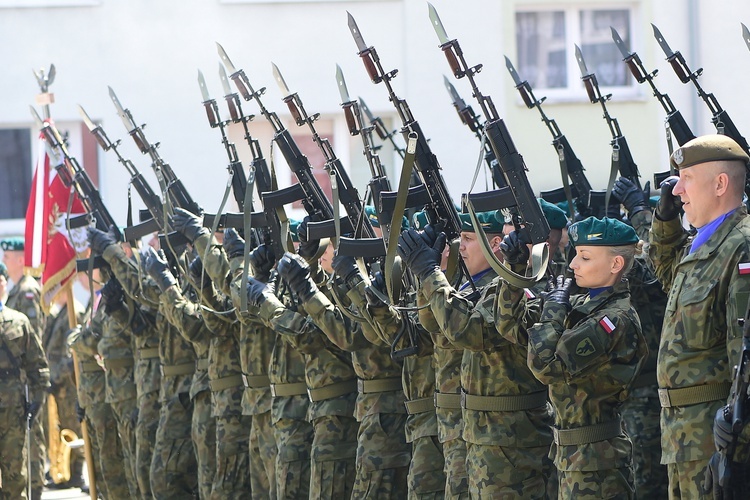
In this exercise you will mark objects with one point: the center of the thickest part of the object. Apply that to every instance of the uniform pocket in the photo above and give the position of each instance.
(696, 303)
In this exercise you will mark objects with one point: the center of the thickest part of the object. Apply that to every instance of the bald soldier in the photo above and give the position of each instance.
(707, 285)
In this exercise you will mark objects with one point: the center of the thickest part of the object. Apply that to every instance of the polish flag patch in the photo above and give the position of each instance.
(529, 294)
(607, 324)
(744, 268)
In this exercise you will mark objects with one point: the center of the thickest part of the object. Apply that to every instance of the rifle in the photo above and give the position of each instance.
(719, 116)
(588, 201)
(622, 158)
(441, 211)
(470, 119)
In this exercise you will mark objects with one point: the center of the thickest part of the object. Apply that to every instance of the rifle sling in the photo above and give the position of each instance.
(566, 180)
(248, 240)
(614, 169)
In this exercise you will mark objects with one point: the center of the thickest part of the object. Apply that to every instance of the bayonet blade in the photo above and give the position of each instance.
(624, 50)
(129, 125)
(86, 118)
(202, 84)
(438, 25)
(343, 91)
(224, 80)
(662, 42)
(746, 35)
(225, 58)
(581, 62)
(513, 73)
(354, 29)
(280, 81)
(368, 113)
(453, 93)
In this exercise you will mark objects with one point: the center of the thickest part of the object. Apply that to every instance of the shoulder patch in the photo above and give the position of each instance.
(607, 324)
(585, 347)
(529, 294)
(743, 268)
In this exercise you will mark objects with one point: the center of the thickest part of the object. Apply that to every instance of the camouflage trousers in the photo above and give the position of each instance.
(426, 476)
(614, 483)
(38, 454)
(507, 472)
(640, 413)
(108, 460)
(293, 439)
(383, 457)
(145, 439)
(13, 471)
(333, 453)
(126, 416)
(456, 480)
(262, 457)
(232, 458)
(686, 480)
(174, 468)
(203, 433)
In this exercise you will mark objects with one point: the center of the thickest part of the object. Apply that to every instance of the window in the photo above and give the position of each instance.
(15, 172)
(545, 48)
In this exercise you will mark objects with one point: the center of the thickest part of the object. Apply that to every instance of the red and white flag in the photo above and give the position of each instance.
(50, 249)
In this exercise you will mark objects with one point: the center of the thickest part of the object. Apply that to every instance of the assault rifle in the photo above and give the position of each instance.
(518, 192)
(441, 211)
(622, 158)
(719, 116)
(588, 201)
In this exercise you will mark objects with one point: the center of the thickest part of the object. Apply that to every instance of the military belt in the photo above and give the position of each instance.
(285, 390)
(13, 372)
(422, 405)
(201, 365)
(447, 401)
(332, 391)
(255, 381)
(148, 353)
(111, 364)
(587, 434)
(87, 366)
(644, 380)
(694, 395)
(225, 383)
(378, 385)
(503, 403)
(174, 370)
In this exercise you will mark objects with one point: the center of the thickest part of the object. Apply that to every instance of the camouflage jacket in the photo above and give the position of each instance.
(55, 345)
(589, 358)
(493, 362)
(701, 338)
(21, 358)
(91, 387)
(116, 349)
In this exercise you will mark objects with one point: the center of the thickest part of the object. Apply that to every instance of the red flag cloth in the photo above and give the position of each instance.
(50, 250)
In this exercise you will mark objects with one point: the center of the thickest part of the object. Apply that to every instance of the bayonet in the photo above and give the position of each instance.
(124, 115)
(361, 45)
(202, 85)
(224, 80)
(746, 35)
(457, 99)
(283, 87)
(513, 73)
(87, 119)
(225, 58)
(581, 62)
(437, 24)
(662, 42)
(343, 91)
(621, 45)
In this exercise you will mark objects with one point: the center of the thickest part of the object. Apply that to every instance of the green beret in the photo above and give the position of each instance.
(293, 223)
(3, 270)
(708, 148)
(373, 216)
(554, 214)
(419, 220)
(602, 232)
(491, 222)
(653, 201)
(12, 244)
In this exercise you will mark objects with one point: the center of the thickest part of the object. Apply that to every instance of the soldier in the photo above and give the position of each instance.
(588, 348)
(707, 281)
(20, 351)
(25, 297)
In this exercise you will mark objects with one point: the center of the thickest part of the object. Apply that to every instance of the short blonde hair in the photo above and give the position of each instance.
(628, 253)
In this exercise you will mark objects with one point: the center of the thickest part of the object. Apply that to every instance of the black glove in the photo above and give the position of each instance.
(32, 410)
(307, 249)
(199, 278)
(613, 210)
(712, 478)
(255, 291)
(722, 429)
(296, 272)
(418, 255)
(188, 224)
(262, 259)
(158, 268)
(514, 247)
(80, 412)
(99, 240)
(560, 292)
(345, 267)
(234, 245)
(112, 296)
(669, 205)
(633, 199)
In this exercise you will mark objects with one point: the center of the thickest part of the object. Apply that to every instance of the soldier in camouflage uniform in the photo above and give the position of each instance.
(707, 284)
(588, 349)
(25, 297)
(20, 350)
(174, 469)
(640, 413)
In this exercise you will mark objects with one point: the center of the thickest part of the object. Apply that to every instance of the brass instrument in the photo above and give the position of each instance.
(60, 443)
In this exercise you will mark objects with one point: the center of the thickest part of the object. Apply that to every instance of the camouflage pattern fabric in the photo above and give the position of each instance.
(19, 349)
(686, 480)
(332, 469)
(294, 438)
(593, 485)
(203, 433)
(426, 480)
(700, 339)
(149, 408)
(263, 451)
(232, 479)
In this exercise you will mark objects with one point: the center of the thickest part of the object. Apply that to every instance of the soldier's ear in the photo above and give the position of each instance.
(618, 263)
